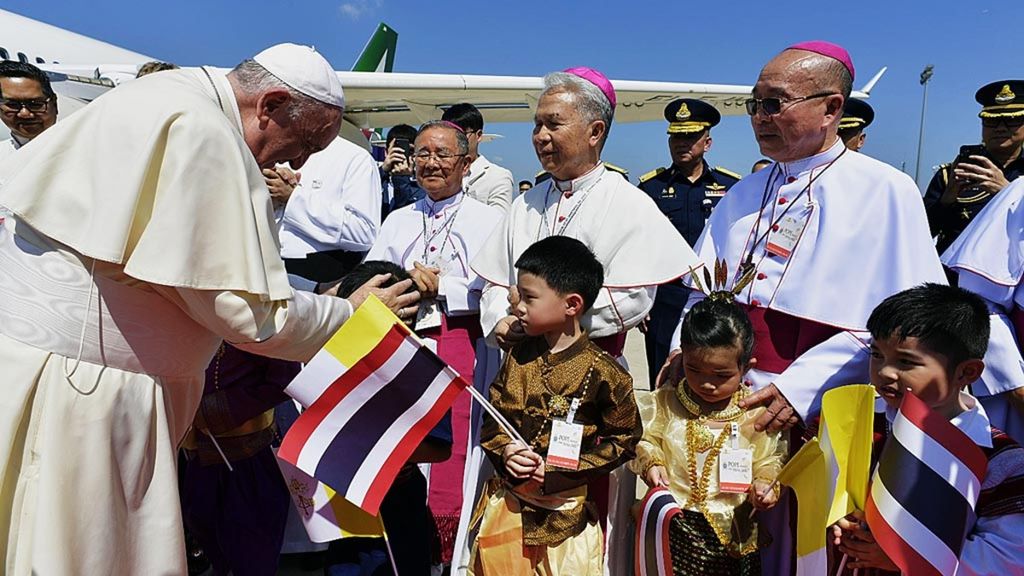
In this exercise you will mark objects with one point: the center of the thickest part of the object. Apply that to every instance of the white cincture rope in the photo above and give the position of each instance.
(85, 324)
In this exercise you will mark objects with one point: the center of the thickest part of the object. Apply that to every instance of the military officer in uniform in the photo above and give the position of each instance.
(686, 192)
(857, 115)
(960, 189)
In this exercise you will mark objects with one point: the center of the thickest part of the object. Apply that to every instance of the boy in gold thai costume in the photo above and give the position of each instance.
(700, 445)
(573, 404)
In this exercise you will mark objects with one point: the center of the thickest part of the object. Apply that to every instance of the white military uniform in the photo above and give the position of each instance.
(336, 205)
(989, 258)
(489, 183)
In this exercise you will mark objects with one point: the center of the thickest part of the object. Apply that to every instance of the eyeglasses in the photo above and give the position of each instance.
(9, 106)
(1012, 123)
(440, 157)
(773, 106)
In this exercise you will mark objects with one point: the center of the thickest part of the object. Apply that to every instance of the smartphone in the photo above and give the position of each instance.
(970, 150)
(405, 145)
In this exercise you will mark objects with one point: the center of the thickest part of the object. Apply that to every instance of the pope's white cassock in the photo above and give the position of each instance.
(448, 234)
(143, 236)
(639, 249)
(988, 256)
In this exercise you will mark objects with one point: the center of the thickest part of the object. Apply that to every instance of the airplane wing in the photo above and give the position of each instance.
(374, 100)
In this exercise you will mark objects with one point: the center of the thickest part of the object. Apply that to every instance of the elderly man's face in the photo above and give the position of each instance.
(292, 141)
(801, 128)
(22, 93)
(566, 145)
(439, 165)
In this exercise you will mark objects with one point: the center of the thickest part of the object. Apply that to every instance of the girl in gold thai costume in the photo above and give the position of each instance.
(700, 445)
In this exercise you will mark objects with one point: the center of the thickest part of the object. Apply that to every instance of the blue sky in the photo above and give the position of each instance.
(970, 44)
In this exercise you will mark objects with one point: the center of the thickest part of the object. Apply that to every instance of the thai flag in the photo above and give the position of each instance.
(924, 490)
(372, 394)
(653, 556)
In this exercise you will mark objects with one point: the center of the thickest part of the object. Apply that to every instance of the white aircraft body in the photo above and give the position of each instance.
(82, 68)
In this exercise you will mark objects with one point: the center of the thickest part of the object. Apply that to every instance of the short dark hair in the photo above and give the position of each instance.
(527, 182)
(713, 323)
(400, 131)
(16, 69)
(466, 116)
(567, 265)
(946, 320)
(362, 274)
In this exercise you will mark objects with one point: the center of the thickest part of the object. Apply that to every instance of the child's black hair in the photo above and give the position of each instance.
(362, 274)
(567, 265)
(946, 320)
(713, 323)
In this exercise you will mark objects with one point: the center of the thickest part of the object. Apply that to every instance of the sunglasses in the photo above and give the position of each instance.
(773, 106)
(15, 106)
(1012, 123)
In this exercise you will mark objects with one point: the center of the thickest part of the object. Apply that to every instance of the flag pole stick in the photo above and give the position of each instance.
(842, 564)
(770, 488)
(498, 417)
(387, 545)
(221, 452)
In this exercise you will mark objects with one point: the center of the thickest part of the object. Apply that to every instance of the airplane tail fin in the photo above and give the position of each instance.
(874, 80)
(379, 53)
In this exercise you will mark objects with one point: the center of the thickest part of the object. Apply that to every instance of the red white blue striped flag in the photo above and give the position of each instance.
(372, 394)
(924, 490)
(653, 555)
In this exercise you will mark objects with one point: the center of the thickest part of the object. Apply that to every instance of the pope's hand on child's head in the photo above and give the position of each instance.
(520, 461)
(656, 476)
(854, 539)
(763, 494)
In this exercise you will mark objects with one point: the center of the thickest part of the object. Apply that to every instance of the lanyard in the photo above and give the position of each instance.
(545, 224)
(445, 227)
(748, 262)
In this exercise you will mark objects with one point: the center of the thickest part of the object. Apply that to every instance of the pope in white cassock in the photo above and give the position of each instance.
(826, 234)
(142, 237)
(637, 245)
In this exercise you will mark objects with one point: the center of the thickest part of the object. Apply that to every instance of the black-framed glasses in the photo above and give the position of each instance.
(440, 157)
(1011, 122)
(773, 106)
(35, 106)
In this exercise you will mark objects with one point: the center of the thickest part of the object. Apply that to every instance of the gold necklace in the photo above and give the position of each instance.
(559, 404)
(694, 432)
(700, 433)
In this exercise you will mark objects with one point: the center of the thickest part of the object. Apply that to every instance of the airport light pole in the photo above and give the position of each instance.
(926, 75)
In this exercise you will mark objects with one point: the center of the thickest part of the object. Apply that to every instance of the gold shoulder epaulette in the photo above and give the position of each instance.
(615, 168)
(728, 172)
(651, 174)
(541, 173)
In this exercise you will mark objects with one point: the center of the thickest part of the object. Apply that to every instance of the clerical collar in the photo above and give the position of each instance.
(582, 182)
(441, 205)
(798, 167)
(225, 95)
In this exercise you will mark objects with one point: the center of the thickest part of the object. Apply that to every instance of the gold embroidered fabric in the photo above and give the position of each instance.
(665, 442)
(528, 379)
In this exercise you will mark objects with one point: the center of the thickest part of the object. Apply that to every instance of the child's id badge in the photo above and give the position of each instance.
(735, 470)
(781, 242)
(428, 316)
(566, 441)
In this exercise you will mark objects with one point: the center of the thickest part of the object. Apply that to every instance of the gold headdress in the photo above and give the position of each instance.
(720, 292)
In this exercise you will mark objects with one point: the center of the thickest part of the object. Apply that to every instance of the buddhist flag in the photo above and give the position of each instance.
(924, 490)
(847, 419)
(653, 555)
(372, 394)
(807, 474)
(325, 515)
